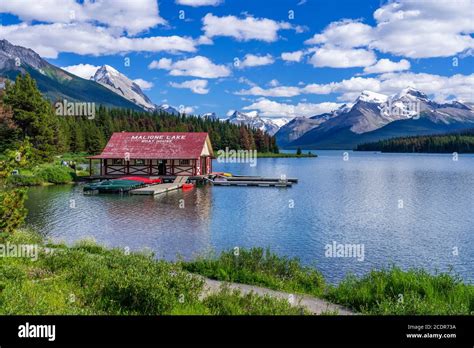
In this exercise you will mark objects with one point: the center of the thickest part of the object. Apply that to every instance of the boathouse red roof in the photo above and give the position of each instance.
(155, 145)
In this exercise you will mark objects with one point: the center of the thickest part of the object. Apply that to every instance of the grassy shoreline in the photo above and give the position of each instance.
(89, 279)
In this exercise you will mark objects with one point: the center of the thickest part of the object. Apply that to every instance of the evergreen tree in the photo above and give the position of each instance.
(34, 115)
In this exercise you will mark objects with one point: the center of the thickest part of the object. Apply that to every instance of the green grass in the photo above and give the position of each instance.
(79, 158)
(260, 267)
(49, 173)
(391, 291)
(394, 291)
(89, 279)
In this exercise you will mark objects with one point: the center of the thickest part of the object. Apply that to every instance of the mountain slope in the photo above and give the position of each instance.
(122, 85)
(375, 117)
(301, 125)
(253, 119)
(55, 83)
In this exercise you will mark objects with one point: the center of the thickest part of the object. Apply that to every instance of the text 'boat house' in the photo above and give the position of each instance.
(155, 154)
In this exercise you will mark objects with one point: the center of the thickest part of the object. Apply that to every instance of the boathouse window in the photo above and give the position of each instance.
(184, 162)
(139, 162)
(117, 161)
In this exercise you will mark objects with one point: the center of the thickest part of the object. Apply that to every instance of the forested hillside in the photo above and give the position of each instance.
(25, 113)
(460, 142)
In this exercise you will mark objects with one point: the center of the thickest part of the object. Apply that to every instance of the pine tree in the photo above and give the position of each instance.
(34, 115)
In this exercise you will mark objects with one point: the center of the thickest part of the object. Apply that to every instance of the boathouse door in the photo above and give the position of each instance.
(203, 166)
(162, 167)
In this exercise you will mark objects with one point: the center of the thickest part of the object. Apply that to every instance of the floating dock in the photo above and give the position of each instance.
(253, 183)
(260, 178)
(220, 180)
(161, 188)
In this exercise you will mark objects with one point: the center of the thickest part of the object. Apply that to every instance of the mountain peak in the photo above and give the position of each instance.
(372, 97)
(122, 85)
(106, 70)
(109, 68)
(412, 92)
(11, 54)
(253, 119)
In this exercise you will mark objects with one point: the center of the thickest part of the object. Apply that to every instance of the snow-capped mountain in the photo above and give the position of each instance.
(375, 116)
(252, 119)
(167, 108)
(298, 126)
(210, 115)
(122, 85)
(53, 82)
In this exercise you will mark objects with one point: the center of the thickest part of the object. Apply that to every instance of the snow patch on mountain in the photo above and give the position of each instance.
(253, 119)
(122, 85)
(372, 97)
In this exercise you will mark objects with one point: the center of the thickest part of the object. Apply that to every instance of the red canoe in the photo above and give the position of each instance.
(187, 187)
(143, 180)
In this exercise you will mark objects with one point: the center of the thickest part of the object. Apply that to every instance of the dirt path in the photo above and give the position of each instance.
(313, 304)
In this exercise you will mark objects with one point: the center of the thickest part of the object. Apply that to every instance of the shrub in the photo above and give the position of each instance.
(56, 174)
(24, 180)
(12, 210)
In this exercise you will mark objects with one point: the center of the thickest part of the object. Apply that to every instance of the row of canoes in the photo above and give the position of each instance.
(123, 184)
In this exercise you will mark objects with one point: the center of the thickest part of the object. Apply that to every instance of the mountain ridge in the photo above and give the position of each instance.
(374, 117)
(54, 82)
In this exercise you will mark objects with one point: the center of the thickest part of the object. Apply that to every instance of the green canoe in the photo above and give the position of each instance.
(109, 186)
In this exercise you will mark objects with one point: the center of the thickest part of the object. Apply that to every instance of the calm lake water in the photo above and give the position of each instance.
(412, 210)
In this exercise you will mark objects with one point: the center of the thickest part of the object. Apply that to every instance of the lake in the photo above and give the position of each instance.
(411, 210)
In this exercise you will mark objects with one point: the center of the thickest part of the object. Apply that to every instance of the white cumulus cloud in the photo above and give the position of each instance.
(335, 57)
(407, 28)
(198, 66)
(86, 71)
(441, 88)
(345, 33)
(246, 29)
(130, 16)
(197, 3)
(295, 56)
(48, 40)
(386, 65)
(270, 108)
(143, 84)
(196, 86)
(252, 60)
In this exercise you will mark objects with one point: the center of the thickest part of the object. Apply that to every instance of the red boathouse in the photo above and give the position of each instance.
(153, 154)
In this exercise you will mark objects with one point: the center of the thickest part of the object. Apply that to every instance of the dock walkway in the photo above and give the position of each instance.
(161, 188)
(252, 183)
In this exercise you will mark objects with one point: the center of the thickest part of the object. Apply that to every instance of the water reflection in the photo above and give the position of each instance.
(355, 201)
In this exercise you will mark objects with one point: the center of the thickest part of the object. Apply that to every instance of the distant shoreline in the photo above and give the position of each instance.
(285, 155)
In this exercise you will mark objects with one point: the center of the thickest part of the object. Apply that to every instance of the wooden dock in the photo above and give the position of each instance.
(261, 179)
(161, 188)
(253, 183)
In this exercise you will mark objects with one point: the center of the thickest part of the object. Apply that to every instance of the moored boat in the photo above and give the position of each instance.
(112, 186)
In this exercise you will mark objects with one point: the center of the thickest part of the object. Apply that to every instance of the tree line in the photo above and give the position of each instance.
(460, 142)
(26, 114)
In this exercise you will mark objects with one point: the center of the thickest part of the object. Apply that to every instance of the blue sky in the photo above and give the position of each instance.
(282, 58)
